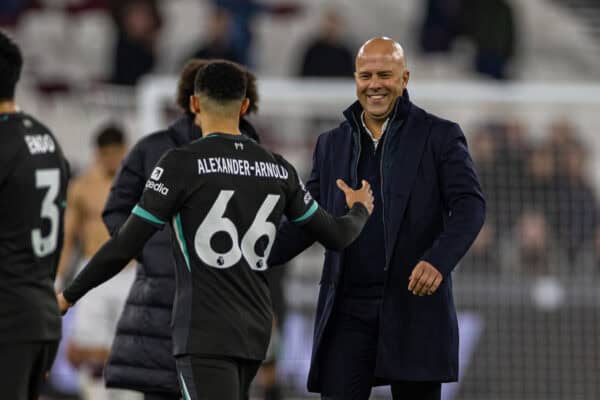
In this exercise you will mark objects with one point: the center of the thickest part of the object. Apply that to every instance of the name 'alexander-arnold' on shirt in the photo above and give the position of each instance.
(235, 166)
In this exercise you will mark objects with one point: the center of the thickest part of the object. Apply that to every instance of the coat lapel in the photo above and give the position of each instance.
(400, 169)
(343, 151)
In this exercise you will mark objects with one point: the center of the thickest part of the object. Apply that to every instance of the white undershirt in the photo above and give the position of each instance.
(383, 127)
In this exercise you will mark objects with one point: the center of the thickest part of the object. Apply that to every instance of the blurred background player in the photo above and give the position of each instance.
(95, 319)
(33, 186)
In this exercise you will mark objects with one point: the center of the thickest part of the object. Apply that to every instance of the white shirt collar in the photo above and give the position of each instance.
(383, 128)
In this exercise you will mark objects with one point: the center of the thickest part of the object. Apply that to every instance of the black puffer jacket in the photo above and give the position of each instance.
(141, 356)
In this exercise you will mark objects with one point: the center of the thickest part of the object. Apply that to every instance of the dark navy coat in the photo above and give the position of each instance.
(141, 357)
(433, 210)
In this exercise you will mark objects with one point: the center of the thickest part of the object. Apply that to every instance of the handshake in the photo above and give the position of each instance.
(363, 195)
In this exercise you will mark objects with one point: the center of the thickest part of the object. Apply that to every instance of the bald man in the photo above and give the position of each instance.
(385, 314)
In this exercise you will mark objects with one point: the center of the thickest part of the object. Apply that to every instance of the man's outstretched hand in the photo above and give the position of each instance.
(363, 195)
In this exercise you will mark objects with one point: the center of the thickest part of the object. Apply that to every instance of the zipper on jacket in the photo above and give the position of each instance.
(357, 126)
(385, 267)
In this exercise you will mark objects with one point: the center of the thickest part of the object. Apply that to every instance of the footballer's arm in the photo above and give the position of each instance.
(336, 233)
(112, 257)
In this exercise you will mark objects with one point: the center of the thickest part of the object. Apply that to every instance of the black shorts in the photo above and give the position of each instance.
(23, 368)
(215, 378)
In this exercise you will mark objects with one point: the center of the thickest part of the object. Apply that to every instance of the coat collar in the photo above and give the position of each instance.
(401, 110)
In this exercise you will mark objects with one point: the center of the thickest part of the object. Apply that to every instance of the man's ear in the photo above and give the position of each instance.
(405, 78)
(245, 105)
(194, 104)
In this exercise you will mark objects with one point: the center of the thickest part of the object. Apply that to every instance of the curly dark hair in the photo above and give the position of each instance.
(185, 87)
(221, 81)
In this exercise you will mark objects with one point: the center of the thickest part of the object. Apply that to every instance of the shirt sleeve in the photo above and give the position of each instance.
(163, 190)
(336, 233)
(300, 205)
(112, 257)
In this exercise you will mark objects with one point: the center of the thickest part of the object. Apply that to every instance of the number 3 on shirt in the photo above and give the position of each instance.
(215, 222)
(45, 245)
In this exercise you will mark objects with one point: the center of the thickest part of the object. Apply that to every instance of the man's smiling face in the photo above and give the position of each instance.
(381, 76)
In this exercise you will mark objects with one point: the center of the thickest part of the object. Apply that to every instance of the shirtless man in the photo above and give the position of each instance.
(96, 317)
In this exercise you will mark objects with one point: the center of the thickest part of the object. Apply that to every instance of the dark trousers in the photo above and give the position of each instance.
(203, 378)
(349, 352)
(23, 368)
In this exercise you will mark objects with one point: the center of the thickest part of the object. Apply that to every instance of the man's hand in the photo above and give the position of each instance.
(63, 304)
(424, 279)
(363, 195)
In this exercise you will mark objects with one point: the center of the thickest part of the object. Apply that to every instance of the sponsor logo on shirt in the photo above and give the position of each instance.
(307, 198)
(157, 186)
(157, 173)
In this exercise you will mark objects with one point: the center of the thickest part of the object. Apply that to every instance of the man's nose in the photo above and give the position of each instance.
(374, 83)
